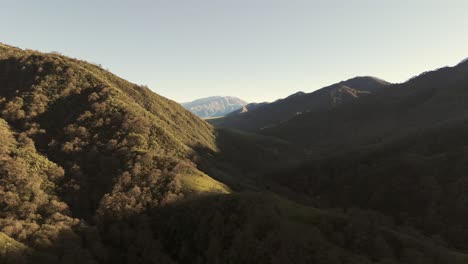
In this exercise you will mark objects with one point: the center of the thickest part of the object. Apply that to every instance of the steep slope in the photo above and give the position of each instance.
(81, 143)
(214, 106)
(299, 103)
(98, 127)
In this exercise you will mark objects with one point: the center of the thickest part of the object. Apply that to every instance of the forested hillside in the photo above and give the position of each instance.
(432, 99)
(400, 153)
(94, 169)
(99, 128)
(81, 144)
(418, 182)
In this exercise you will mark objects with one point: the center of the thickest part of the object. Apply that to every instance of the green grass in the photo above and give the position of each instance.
(195, 182)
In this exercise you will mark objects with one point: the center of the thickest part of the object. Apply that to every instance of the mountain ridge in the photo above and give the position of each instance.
(283, 109)
(247, 108)
(387, 107)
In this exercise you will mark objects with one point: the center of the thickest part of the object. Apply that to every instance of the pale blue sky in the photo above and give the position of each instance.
(258, 50)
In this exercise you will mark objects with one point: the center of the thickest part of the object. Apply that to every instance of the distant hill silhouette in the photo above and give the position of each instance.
(300, 103)
(246, 108)
(429, 100)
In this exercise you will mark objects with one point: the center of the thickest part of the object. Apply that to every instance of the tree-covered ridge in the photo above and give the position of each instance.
(43, 80)
(120, 148)
(98, 127)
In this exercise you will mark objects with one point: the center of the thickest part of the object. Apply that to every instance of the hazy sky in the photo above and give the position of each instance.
(259, 50)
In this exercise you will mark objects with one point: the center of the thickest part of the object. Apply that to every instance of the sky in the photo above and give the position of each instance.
(258, 50)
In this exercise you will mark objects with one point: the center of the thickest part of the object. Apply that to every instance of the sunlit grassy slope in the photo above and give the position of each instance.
(195, 181)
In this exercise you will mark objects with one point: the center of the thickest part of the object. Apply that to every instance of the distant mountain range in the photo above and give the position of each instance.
(214, 106)
(266, 115)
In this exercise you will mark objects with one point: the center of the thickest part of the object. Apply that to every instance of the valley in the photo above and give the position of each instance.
(96, 169)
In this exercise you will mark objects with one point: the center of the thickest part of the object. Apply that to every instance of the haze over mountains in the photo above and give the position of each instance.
(95, 169)
(214, 106)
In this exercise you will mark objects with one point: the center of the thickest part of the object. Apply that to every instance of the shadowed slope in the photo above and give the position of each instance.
(401, 152)
(429, 100)
(263, 228)
(300, 103)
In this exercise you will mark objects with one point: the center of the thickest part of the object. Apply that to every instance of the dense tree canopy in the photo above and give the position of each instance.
(94, 169)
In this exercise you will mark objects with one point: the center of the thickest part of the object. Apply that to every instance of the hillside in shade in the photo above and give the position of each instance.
(246, 108)
(401, 152)
(299, 103)
(214, 106)
(95, 169)
(430, 100)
